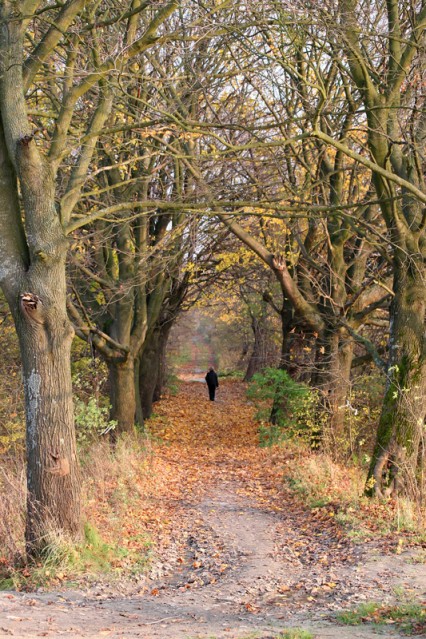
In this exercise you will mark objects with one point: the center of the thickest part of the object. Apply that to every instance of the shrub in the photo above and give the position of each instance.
(285, 408)
(91, 420)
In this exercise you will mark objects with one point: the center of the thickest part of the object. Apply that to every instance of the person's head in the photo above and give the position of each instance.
(211, 369)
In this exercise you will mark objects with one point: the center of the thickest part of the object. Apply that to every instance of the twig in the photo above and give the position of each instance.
(151, 623)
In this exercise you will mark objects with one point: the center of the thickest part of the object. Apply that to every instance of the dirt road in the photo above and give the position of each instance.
(247, 558)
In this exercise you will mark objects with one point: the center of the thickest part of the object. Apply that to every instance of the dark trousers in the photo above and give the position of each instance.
(212, 392)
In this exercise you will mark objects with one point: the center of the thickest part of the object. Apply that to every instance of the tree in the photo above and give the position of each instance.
(291, 177)
(34, 229)
(388, 72)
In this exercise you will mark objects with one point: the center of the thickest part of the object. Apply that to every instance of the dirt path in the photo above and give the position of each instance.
(245, 557)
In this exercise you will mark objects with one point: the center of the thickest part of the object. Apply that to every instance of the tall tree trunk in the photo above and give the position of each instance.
(36, 293)
(148, 373)
(242, 358)
(52, 474)
(394, 464)
(122, 394)
(287, 338)
(152, 367)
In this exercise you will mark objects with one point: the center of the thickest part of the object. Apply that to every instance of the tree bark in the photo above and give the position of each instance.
(259, 356)
(394, 466)
(336, 377)
(162, 362)
(148, 376)
(53, 478)
(152, 368)
(36, 293)
(122, 394)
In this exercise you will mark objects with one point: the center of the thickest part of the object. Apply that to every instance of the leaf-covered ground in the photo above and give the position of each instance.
(234, 551)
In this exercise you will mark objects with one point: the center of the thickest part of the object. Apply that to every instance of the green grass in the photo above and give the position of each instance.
(61, 561)
(409, 618)
(232, 374)
(7, 584)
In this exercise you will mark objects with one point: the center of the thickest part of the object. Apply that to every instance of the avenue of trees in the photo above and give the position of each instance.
(151, 152)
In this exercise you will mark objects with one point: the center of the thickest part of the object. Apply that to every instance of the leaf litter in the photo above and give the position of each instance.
(234, 550)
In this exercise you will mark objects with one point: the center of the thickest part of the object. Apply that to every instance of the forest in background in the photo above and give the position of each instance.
(252, 173)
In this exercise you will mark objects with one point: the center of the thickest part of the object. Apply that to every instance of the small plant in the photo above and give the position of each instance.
(91, 420)
(269, 434)
(320, 480)
(231, 374)
(418, 558)
(172, 384)
(357, 616)
(406, 517)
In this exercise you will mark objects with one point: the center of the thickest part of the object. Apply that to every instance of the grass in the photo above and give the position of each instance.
(321, 482)
(418, 558)
(114, 482)
(408, 617)
(231, 374)
(62, 561)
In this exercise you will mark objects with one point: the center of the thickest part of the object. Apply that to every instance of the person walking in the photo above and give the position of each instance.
(212, 382)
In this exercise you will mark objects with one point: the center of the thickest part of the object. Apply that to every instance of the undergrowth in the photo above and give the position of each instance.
(290, 415)
(112, 488)
(291, 633)
(295, 633)
(62, 562)
(285, 408)
(322, 483)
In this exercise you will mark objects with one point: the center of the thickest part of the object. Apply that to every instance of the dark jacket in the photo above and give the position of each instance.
(212, 380)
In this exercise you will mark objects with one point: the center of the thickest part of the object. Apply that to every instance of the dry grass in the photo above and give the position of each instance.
(12, 510)
(322, 482)
(320, 479)
(114, 481)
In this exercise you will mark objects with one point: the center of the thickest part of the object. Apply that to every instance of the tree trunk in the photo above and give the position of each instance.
(33, 250)
(122, 394)
(152, 367)
(394, 465)
(52, 474)
(243, 355)
(162, 362)
(259, 356)
(148, 374)
(286, 316)
(332, 379)
(337, 387)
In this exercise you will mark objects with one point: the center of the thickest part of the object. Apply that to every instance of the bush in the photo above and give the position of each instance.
(285, 408)
(91, 420)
